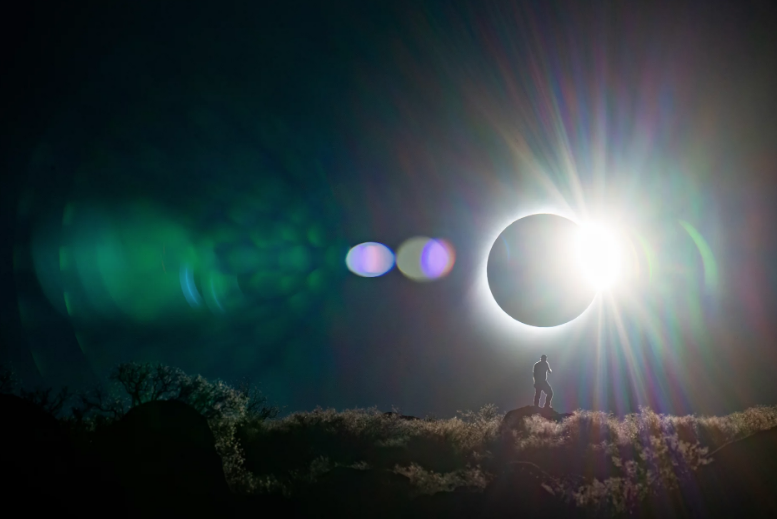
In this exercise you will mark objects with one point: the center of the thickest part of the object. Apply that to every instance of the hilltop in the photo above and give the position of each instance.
(164, 443)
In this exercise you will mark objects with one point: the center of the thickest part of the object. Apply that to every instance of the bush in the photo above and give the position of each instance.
(600, 461)
(606, 464)
(631, 458)
(427, 482)
(225, 407)
(450, 449)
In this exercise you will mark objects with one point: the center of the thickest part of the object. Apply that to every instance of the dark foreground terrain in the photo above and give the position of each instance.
(163, 458)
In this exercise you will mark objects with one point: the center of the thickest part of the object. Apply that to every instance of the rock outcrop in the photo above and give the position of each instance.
(514, 420)
(163, 453)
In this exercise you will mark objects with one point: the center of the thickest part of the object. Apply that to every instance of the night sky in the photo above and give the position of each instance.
(183, 180)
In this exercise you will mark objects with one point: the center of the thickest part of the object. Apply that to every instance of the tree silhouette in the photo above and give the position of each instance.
(137, 383)
(52, 403)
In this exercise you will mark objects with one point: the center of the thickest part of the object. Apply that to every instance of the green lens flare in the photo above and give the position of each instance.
(707, 257)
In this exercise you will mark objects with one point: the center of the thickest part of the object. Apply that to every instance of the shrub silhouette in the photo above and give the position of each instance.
(225, 407)
(146, 382)
(44, 398)
(605, 464)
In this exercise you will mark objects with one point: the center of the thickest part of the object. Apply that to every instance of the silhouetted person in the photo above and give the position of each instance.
(541, 370)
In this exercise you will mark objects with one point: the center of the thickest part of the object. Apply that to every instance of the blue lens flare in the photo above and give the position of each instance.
(370, 259)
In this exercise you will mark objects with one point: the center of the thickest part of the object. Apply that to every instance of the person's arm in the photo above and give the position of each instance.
(549, 370)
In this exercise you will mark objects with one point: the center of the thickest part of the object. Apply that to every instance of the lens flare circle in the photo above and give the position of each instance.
(437, 258)
(369, 259)
(425, 259)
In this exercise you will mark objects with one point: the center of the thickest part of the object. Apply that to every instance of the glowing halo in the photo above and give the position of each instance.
(486, 312)
(485, 308)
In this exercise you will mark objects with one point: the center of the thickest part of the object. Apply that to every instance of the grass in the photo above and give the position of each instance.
(604, 463)
(446, 451)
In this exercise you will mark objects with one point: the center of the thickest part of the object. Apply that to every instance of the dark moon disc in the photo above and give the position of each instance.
(532, 271)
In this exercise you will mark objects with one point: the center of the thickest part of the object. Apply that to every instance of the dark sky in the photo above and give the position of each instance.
(241, 148)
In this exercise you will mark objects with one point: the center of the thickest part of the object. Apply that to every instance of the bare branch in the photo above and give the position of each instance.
(256, 403)
(52, 404)
(164, 381)
(134, 378)
(98, 401)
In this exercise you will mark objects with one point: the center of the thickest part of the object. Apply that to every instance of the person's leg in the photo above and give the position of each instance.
(537, 391)
(548, 395)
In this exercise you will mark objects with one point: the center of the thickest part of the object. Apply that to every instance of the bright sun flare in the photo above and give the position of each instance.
(598, 257)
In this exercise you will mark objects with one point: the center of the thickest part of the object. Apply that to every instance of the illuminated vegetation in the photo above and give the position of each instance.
(603, 463)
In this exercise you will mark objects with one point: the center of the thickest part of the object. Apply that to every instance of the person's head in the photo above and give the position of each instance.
(544, 358)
